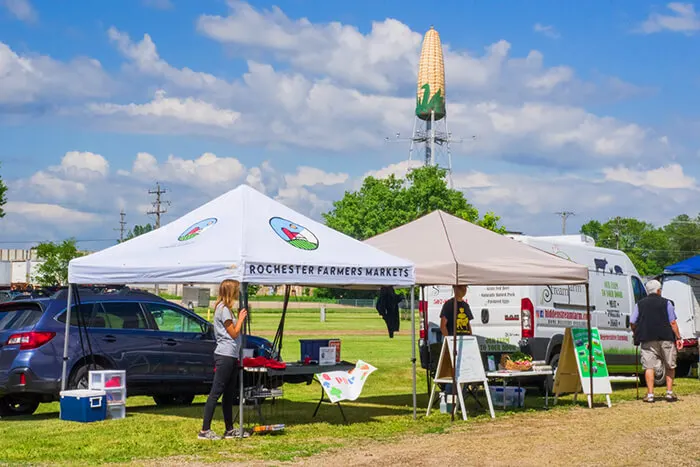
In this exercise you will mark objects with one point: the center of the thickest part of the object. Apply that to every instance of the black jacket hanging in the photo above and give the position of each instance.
(388, 308)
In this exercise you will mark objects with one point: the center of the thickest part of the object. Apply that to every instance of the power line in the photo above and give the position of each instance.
(564, 216)
(158, 209)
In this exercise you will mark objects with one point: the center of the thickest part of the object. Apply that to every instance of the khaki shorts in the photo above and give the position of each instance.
(657, 353)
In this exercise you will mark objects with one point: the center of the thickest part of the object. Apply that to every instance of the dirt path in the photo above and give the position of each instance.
(631, 433)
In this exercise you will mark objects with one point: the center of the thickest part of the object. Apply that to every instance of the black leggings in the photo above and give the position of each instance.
(226, 383)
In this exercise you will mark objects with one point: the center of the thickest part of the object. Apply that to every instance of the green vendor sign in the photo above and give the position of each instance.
(600, 368)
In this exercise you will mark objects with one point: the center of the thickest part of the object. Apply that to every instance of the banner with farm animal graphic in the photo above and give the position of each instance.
(346, 385)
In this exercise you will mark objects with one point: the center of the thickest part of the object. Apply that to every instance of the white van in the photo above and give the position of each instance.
(533, 318)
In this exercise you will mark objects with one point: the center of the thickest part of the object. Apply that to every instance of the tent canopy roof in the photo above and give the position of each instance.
(689, 266)
(447, 250)
(243, 235)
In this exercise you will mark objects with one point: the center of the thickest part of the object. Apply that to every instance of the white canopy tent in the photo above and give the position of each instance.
(447, 250)
(246, 236)
(241, 235)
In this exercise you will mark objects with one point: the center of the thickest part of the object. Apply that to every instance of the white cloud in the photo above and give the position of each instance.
(40, 79)
(337, 50)
(78, 165)
(264, 178)
(557, 133)
(472, 179)
(52, 213)
(400, 169)
(303, 200)
(667, 177)
(21, 9)
(144, 58)
(683, 18)
(310, 176)
(528, 203)
(386, 58)
(207, 169)
(55, 187)
(547, 30)
(187, 110)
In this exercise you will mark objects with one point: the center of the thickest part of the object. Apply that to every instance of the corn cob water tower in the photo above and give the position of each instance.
(430, 126)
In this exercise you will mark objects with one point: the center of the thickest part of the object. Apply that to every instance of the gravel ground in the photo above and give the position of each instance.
(630, 433)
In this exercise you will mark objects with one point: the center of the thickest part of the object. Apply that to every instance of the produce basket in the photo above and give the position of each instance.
(520, 365)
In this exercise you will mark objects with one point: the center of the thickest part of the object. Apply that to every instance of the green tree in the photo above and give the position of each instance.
(646, 245)
(683, 233)
(138, 230)
(55, 257)
(383, 204)
(3, 198)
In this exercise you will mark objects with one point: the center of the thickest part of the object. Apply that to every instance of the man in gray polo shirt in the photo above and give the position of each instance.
(654, 325)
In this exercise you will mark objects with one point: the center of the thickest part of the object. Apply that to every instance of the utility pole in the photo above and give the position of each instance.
(157, 211)
(158, 204)
(564, 216)
(122, 225)
(617, 232)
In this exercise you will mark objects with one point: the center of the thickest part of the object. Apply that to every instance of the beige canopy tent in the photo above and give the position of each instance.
(447, 250)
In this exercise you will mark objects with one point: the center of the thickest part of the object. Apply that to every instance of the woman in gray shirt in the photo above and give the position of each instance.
(227, 330)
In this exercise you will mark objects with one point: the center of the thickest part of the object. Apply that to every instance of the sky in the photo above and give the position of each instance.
(587, 107)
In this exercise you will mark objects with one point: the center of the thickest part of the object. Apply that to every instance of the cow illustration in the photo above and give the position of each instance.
(600, 264)
(618, 270)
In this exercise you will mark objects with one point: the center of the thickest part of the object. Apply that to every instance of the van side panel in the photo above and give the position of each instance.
(496, 311)
(611, 298)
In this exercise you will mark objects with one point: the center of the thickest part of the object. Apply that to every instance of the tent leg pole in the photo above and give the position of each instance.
(590, 341)
(454, 356)
(66, 338)
(413, 347)
(242, 303)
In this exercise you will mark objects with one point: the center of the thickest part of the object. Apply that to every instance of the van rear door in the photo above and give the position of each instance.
(678, 289)
(496, 311)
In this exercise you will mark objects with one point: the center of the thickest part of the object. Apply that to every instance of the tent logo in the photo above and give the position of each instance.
(294, 234)
(196, 229)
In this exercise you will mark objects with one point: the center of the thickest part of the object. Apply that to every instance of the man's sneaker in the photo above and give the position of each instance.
(210, 435)
(671, 397)
(234, 433)
(649, 398)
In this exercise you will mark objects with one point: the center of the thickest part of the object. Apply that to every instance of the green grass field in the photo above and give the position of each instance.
(383, 412)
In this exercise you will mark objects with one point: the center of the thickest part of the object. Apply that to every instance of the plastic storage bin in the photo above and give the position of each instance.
(107, 379)
(115, 412)
(310, 348)
(115, 396)
(83, 405)
(515, 397)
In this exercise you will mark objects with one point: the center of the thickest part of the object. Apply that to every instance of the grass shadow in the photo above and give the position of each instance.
(290, 412)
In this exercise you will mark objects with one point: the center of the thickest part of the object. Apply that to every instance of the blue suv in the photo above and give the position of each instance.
(166, 350)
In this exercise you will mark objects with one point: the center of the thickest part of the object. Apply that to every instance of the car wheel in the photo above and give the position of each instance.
(554, 363)
(11, 406)
(183, 399)
(164, 400)
(659, 376)
(79, 378)
(682, 369)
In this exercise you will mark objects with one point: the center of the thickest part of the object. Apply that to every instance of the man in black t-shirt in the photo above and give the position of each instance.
(464, 314)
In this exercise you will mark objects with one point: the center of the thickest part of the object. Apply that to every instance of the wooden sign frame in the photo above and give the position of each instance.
(469, 362)
(569, 377)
